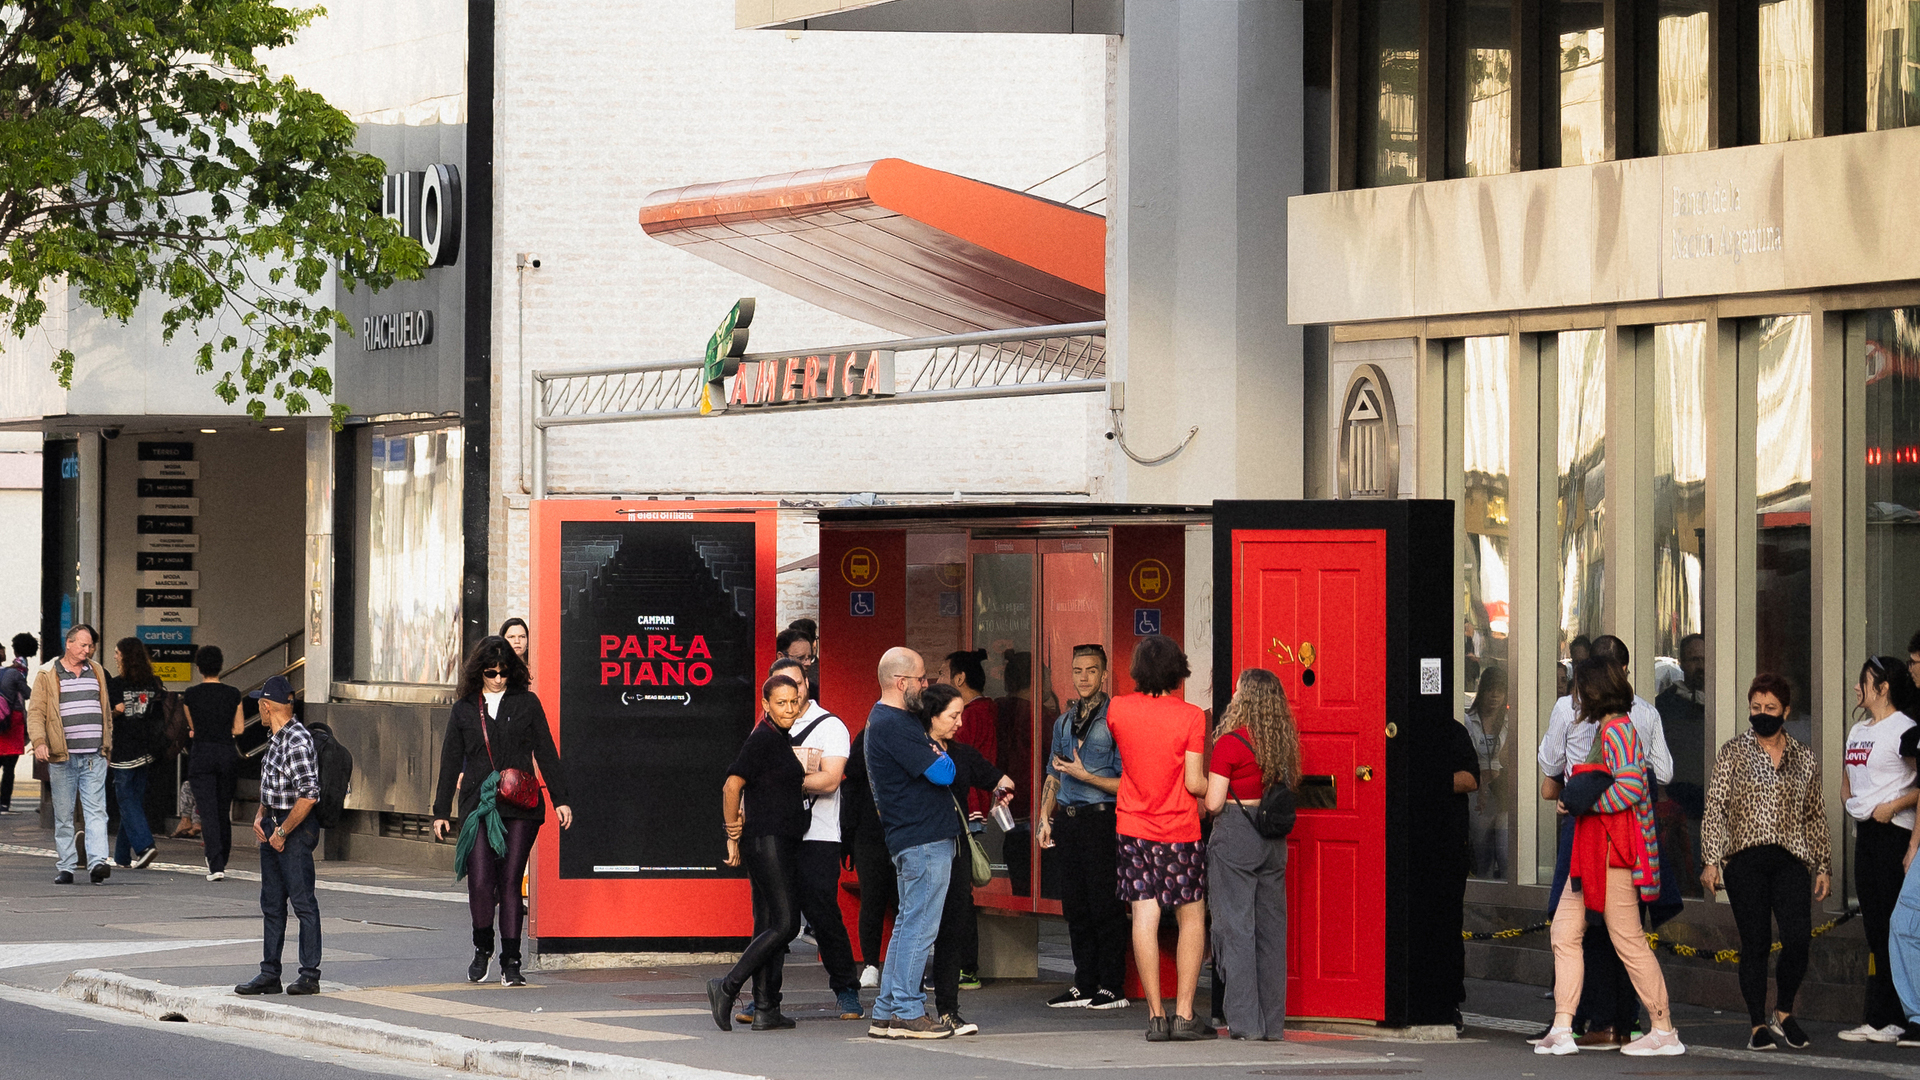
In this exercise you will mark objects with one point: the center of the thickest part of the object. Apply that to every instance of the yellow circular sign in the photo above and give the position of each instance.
(1150, 580)
(952, 575)
(860, 567)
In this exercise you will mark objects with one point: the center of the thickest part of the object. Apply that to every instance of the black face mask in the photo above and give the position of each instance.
(1765, 725)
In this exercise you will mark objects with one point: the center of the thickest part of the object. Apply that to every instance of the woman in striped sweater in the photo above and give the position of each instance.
(1615, 865)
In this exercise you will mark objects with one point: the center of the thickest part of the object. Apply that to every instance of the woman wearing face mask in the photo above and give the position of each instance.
(1878, 788)
(1766, 825)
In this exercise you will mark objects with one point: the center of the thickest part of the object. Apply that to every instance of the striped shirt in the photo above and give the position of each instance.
(82, 710)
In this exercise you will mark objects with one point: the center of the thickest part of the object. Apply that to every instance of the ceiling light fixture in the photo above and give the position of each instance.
(207, 431)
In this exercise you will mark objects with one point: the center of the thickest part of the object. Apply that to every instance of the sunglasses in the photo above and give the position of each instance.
(1874, 663)
(493, 673)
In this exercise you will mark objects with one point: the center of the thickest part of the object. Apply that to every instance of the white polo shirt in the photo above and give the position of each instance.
(1568, 743)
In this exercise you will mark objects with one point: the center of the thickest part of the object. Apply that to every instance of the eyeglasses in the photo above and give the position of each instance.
(921, 679)
(493, 673)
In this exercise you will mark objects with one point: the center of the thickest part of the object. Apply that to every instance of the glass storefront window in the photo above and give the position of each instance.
(1783, 499)
(1003, 626)
(1679, 554)
(1481, 99)
(1893, 64)
(1885, 350)
(1390, 50)
(1487, 699)
(1583, 60)
(408, 558)
(1683, 76)
(1582, 458)
(1786, 70)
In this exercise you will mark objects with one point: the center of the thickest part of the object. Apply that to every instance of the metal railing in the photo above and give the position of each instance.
(1069, 358)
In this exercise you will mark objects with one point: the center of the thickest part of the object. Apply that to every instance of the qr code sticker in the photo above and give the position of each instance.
(1429, 675)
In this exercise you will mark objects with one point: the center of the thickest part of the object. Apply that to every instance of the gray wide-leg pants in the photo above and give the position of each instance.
(1247, 900)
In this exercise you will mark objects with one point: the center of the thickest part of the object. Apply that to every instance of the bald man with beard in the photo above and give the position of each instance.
(909, 774)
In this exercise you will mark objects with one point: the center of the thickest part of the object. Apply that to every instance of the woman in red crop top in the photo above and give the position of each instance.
(1247, 872)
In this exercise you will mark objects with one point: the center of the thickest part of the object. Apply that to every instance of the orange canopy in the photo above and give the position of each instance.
(896, 245)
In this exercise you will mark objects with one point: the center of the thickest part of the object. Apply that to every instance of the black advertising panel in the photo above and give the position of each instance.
(166, 451)
(162, 523)
(164, 489)
(659, 682)
(169, 598)
(163, 560)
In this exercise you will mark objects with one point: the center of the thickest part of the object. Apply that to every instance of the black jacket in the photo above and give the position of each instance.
(520, 736)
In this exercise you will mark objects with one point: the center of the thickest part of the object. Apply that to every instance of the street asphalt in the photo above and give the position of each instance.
(396, 946)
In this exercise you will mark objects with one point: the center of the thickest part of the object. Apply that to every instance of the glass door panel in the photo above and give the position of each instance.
(1073, 611)
(1002, 579)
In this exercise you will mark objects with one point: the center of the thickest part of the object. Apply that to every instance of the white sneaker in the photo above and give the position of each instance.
(870, 977)
(217, 875)
(1559, 1042)
(1655, 1044)
(1891, 1033)
(1863, 1033)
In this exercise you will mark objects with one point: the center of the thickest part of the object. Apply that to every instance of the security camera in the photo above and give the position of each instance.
(110, 433)
(527, 260)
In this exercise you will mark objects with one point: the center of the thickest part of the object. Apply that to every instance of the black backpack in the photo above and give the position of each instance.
(336, 775)
(1274, 819)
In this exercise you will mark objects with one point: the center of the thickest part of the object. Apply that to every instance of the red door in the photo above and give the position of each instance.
(1311, 606)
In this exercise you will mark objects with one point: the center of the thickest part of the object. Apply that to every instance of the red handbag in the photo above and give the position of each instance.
(516, 785)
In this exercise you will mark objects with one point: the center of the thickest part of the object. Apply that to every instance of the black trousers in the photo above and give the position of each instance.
(1765, 884)
(213, 772)
(879, 894)
(957, 932)
(1877, 876)
(772, 866)
(7, 762)
(819, 886)
(1099, 928)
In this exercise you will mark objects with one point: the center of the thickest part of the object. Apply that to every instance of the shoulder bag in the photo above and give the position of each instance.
(517, 786)
(982, 868)
(1275, 817)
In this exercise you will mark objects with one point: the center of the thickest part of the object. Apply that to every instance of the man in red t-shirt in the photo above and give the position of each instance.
(1162, 742)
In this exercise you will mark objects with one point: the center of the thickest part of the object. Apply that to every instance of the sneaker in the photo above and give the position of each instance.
(969, 981)
(960, 1024)
(1158, 1029)
(217, 875)
(142, 860)
(100, 873)
(1559, 1042)
(1597, 1039)
(1869, 1033)
(869, 977)
(849, 1002)
(920, 1027)
(1191, 1029)
(1786, 1031)
(1657, 1043)
(1762, 1039)
(1070, 998)
(879, 1029)
(1909, 1035)
(1107, 999)
(744, 1014)
(64, 877)
(721, 1004)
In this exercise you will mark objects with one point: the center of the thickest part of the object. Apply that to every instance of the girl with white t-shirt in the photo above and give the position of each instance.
(1878, 787)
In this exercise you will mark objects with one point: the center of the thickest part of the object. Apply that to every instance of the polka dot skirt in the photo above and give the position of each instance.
(1170, 873)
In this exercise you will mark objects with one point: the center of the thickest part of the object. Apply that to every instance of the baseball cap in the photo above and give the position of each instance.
(276, 689)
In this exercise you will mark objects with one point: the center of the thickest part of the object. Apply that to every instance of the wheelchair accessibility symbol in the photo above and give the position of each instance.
(860, 603)
(1146, 620)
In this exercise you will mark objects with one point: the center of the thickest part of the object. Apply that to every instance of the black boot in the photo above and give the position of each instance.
(510, 962)
(482, 952)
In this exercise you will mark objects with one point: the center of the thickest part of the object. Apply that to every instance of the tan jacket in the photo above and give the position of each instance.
(43, 712)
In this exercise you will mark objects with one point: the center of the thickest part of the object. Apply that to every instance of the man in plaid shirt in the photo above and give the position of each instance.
(289, 790)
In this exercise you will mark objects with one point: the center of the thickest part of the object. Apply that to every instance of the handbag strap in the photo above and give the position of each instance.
(1241, 734)
(481, 703)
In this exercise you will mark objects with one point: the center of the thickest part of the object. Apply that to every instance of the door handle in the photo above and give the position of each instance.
(1364, 772)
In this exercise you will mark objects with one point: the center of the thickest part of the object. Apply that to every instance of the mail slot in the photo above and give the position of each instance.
(1316, 793)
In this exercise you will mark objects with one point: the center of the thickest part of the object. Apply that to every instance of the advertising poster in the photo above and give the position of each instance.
(659, 678)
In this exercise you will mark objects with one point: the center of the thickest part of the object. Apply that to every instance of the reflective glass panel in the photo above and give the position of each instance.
(408, 562)
(1786, 70)
(1487, 704)
(1003, 625)
(1073, 611)
(1893, 64)
(1583, 60)
(1783, 498)
(1683, 76)
(1885, 347)
(1481, 103)
(1679, 549)
(936, 597)
(1390, 94)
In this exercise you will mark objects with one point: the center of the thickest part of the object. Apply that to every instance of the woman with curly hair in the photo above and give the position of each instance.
(1255, 743)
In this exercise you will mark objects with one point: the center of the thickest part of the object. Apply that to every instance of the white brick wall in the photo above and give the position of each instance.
(600, 105)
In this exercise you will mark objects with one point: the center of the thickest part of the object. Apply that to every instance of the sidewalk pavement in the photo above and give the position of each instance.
(397, 944)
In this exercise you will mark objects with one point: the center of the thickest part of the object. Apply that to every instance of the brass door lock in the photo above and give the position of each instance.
(1364, 772)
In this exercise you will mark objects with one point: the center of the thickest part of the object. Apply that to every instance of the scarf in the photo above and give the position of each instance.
(486, 813)
(1084, 716)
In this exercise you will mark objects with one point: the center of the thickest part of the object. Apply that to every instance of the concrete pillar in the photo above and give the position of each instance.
(1207, 143)
(318, 603)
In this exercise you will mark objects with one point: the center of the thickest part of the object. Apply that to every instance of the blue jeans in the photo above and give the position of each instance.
(85, 774)
(1904, 946)
(923, 873)
(286, 880)
(136, 836)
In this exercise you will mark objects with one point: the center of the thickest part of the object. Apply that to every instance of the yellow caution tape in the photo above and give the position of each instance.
(1722, 956)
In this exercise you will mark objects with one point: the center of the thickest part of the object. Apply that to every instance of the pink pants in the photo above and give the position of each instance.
(1629, 941)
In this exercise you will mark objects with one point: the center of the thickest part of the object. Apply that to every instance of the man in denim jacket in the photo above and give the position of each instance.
(1083, 777)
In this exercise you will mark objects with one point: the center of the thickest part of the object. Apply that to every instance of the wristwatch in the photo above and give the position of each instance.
(280, 832)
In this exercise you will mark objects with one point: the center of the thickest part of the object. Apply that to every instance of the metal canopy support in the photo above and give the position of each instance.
(1029, 361)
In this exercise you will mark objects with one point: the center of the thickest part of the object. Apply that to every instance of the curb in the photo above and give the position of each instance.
(516, 1060)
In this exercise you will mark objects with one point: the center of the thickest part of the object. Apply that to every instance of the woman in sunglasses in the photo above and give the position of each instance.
(497, 733)
(1878, 788)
